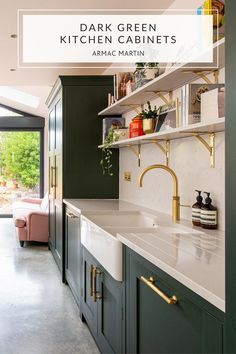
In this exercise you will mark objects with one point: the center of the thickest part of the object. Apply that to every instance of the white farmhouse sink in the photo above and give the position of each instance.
(103, 246)
(99, 230)
(98, 235)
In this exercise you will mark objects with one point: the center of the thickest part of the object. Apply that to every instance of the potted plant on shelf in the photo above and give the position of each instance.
(106, 160)
(149, 118)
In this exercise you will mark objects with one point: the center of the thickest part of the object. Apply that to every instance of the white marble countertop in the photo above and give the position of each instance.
(195, 260)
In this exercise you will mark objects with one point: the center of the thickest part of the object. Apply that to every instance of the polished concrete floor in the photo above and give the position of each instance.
(38, 314)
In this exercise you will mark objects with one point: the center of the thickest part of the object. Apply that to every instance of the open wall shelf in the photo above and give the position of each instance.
(176, 133)
(162, 139)
(169, 81)
(172, 79)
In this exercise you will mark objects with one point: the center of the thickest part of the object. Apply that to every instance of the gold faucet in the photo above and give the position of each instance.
(176, 198)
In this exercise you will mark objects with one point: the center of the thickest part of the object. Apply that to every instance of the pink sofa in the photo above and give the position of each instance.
(30, 217)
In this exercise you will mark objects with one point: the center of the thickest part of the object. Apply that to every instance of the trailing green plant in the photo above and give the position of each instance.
(106, 160)
(150, 112)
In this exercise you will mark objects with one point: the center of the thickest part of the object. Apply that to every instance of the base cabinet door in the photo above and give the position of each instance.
(110, 314)
(55, 231)
(58, 233)
(101, 306)
(88, 305)
(154, 325)
(73, 253)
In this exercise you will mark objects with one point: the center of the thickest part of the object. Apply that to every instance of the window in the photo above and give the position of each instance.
(6, 112)
(19, 96)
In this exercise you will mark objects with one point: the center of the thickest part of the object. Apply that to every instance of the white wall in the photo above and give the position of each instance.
(189, 159)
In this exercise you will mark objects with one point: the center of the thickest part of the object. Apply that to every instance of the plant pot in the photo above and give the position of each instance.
(149, 125)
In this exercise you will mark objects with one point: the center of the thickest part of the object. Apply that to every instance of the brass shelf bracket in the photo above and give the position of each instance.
(136, 151)
(209, 146)
(165, 149)
(203, 75)
(134, 106)
(161, 94)
(168, 100)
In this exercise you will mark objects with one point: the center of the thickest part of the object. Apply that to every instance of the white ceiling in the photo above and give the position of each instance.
(39, 81)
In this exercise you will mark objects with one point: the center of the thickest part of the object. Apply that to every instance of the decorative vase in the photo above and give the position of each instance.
(149, 125)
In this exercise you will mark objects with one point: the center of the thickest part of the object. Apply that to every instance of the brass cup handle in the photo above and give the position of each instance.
(150, 282)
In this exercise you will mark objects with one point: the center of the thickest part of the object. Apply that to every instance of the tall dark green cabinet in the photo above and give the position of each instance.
(75, 132)
(230, 133)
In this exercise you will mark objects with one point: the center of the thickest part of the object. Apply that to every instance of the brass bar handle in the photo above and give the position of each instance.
(96, 271)
(95, 284)
(71, 215)
(150, 282)
(91, 280)
(53, 177)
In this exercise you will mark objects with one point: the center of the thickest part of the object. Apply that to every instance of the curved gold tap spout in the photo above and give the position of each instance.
(176, 198)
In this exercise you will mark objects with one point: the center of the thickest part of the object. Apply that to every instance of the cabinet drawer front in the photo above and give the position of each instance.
(110, 314)
(156, 325)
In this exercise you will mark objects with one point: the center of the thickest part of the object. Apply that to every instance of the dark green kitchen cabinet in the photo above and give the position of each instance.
(75, 131)
(102, 306)
(155, 326)
(73, 257)
(89, 309)
(55, 183)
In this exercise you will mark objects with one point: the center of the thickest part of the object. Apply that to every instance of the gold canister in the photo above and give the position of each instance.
(149, 125)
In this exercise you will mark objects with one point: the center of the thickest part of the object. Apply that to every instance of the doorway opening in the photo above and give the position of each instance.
(19, 167)
(21, 158)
